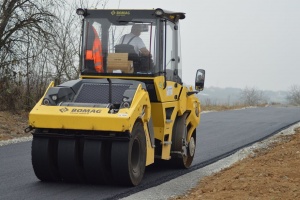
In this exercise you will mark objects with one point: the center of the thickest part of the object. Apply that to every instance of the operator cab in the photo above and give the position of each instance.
(105, 52)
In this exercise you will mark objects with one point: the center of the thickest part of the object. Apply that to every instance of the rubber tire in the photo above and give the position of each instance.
(96, 161)
(44, 158)
(187, 160)
(128, 159)
(180, 161)
(68, 160)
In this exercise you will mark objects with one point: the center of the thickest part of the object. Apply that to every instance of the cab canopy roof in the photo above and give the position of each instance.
(119, 15)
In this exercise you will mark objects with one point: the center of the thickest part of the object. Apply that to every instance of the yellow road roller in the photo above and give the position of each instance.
(129, 107)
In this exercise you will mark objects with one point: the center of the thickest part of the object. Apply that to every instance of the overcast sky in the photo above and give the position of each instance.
(254, 43)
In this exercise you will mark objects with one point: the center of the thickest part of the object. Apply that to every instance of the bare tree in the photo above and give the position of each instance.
(39, 42)
(24, 25)
(252, 96)
(293, 95)
(65, 46)
(20, 18)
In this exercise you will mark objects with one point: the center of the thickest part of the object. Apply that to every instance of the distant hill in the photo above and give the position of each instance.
(231, 96)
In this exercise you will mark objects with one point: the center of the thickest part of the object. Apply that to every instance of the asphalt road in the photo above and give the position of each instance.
(219, 135)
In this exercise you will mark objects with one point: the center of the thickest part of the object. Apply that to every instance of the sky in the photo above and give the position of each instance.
(240, 43)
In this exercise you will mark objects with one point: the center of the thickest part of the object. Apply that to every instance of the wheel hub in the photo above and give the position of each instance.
(192, 146)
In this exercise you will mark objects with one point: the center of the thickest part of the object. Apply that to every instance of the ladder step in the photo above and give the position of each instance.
(168, 121)
(166, 143)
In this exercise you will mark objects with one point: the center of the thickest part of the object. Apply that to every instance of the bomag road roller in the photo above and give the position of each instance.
(128, 108)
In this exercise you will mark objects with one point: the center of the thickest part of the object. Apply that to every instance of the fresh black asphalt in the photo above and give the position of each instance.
(219, 135)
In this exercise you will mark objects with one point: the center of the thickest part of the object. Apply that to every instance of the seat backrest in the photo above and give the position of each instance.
(127, 48)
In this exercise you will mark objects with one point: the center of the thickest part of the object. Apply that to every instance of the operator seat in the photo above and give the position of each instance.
(132, 55)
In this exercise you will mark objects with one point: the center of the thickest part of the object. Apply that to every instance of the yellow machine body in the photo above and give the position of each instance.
(173, 97)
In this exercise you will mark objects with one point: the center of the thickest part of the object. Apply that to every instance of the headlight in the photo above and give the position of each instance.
(126, 104)
(80, 11)
(54, 97)
(159, 12)
(46, 102)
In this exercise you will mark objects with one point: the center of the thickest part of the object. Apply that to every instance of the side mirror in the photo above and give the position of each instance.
(200, 79)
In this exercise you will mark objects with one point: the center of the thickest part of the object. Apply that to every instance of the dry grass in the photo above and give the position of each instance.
(222, 107)
(12, 125)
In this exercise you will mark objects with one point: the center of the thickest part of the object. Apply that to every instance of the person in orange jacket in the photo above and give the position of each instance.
(94, 53)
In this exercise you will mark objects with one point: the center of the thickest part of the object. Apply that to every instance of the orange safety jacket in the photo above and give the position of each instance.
(96, 53)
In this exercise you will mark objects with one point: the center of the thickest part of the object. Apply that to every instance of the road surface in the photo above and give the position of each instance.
(219, 135)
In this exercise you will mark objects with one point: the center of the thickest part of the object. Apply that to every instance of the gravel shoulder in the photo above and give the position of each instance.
(266, 170)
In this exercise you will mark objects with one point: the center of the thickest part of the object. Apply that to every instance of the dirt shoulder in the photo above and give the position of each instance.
(13, 125)
(270, 173)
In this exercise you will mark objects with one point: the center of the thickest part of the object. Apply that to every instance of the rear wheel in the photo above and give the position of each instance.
(183, 151)
(191, 148)
(128, 159)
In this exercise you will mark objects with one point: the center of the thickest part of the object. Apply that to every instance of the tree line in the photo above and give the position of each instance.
(252, 96)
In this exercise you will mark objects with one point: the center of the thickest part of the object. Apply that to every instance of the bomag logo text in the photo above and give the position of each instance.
(120, 13)
(85, 111)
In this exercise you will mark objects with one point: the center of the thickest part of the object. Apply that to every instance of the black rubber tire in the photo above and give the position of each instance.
(128, 159)
(68, 160)
(96, 161)
(179, 130)
(44, 158)
(187, 160)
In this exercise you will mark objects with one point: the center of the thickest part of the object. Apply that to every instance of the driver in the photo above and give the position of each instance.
(133, 39)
